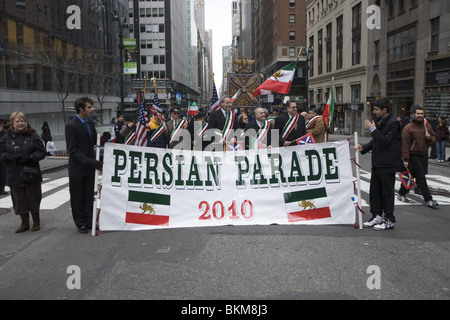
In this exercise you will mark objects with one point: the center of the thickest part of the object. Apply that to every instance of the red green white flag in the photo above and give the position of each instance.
(328, 111)
(306, 205)
(148, 208)
(280, 81)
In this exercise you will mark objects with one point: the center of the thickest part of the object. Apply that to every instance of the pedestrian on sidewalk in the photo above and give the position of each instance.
(442, 135)
(81, 137)
(21, 149)
(46, 135)
(417, 136)
(386, 146)
(2, 164)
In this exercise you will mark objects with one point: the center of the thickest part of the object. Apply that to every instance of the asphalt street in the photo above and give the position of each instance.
(273, 262)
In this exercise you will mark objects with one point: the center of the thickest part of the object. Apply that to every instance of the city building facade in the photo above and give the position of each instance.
(279, 35)
(51, 53)
(411, 55)
(337, 39)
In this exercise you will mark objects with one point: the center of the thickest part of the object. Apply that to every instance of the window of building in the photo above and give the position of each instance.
(292, 3)
(292, 35)
(356, 34)
(329, 46)
(311, 57)
(320, 52)
(339, 42)
(401, 7)
(339, 96)
(376, 49)
(402, 45)
(391, 9)
(292, 18)
(435, 34)
(292, 53)
(356, 93)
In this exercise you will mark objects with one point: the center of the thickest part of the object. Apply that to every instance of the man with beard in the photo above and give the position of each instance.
(417, 136)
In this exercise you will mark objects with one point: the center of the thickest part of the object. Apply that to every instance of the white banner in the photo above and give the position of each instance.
(147, 188)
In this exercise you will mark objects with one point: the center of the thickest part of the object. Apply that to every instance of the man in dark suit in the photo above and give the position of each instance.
(262, 129)
(217, 119)
(81, 138)
(171, 124)
(290, 124)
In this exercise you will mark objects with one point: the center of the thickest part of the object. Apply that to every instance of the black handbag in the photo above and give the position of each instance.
(29, 174)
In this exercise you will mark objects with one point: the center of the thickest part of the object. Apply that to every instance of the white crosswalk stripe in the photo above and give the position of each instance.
(437, 184)
(55, 193)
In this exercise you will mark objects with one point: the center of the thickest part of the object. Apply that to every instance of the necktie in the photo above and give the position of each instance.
(86, 124)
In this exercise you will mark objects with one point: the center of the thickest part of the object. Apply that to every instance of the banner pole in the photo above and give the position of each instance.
(94, 210)
(358, 182)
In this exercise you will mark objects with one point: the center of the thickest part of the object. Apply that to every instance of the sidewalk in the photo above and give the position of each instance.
(53, 163)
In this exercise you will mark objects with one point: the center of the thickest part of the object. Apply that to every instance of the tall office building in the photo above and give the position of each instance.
(279, 35)
(52, 52)
(169, 48)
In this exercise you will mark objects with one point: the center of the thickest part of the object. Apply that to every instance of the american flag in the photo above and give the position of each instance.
(215, 99)
(156, 109)
(156, 104)
(142, 126)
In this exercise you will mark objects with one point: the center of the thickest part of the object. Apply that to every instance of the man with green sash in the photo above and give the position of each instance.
(224, 121)
(290, 125)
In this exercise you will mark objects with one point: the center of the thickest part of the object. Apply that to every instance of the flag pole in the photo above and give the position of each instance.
(358, 182)
(96, 203)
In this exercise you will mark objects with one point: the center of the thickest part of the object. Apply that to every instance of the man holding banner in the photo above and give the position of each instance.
(223, 120)
(174, 127)
(386, 146)
(290, 124)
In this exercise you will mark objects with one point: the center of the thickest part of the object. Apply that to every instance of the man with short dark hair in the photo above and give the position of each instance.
(224, 120)
(290, 124)
(417, 136)
(81, 137)
(386, 146)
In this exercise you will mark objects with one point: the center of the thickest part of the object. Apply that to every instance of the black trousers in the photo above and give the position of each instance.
(381, 193)
(82, 199)
(418, 166)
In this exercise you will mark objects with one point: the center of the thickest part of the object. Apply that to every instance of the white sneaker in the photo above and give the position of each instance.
(372, 222)
(402, 198)
(387, 224)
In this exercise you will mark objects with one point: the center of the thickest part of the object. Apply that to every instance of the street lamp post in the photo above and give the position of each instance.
(116, 20)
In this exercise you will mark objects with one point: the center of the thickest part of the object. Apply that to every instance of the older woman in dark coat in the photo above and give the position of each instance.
(21, 149)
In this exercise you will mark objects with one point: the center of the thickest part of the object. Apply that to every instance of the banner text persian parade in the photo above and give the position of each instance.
(147, 188)
(185, 171)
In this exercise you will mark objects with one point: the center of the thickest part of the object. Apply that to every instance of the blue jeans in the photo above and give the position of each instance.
(440, 146)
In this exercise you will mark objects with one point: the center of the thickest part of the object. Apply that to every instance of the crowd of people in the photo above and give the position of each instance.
(396, 145)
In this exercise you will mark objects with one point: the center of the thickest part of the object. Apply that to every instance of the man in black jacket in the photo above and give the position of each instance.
(218, 120)
(386, 146)
(262, 130)
(290, 125)
(81, 137)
